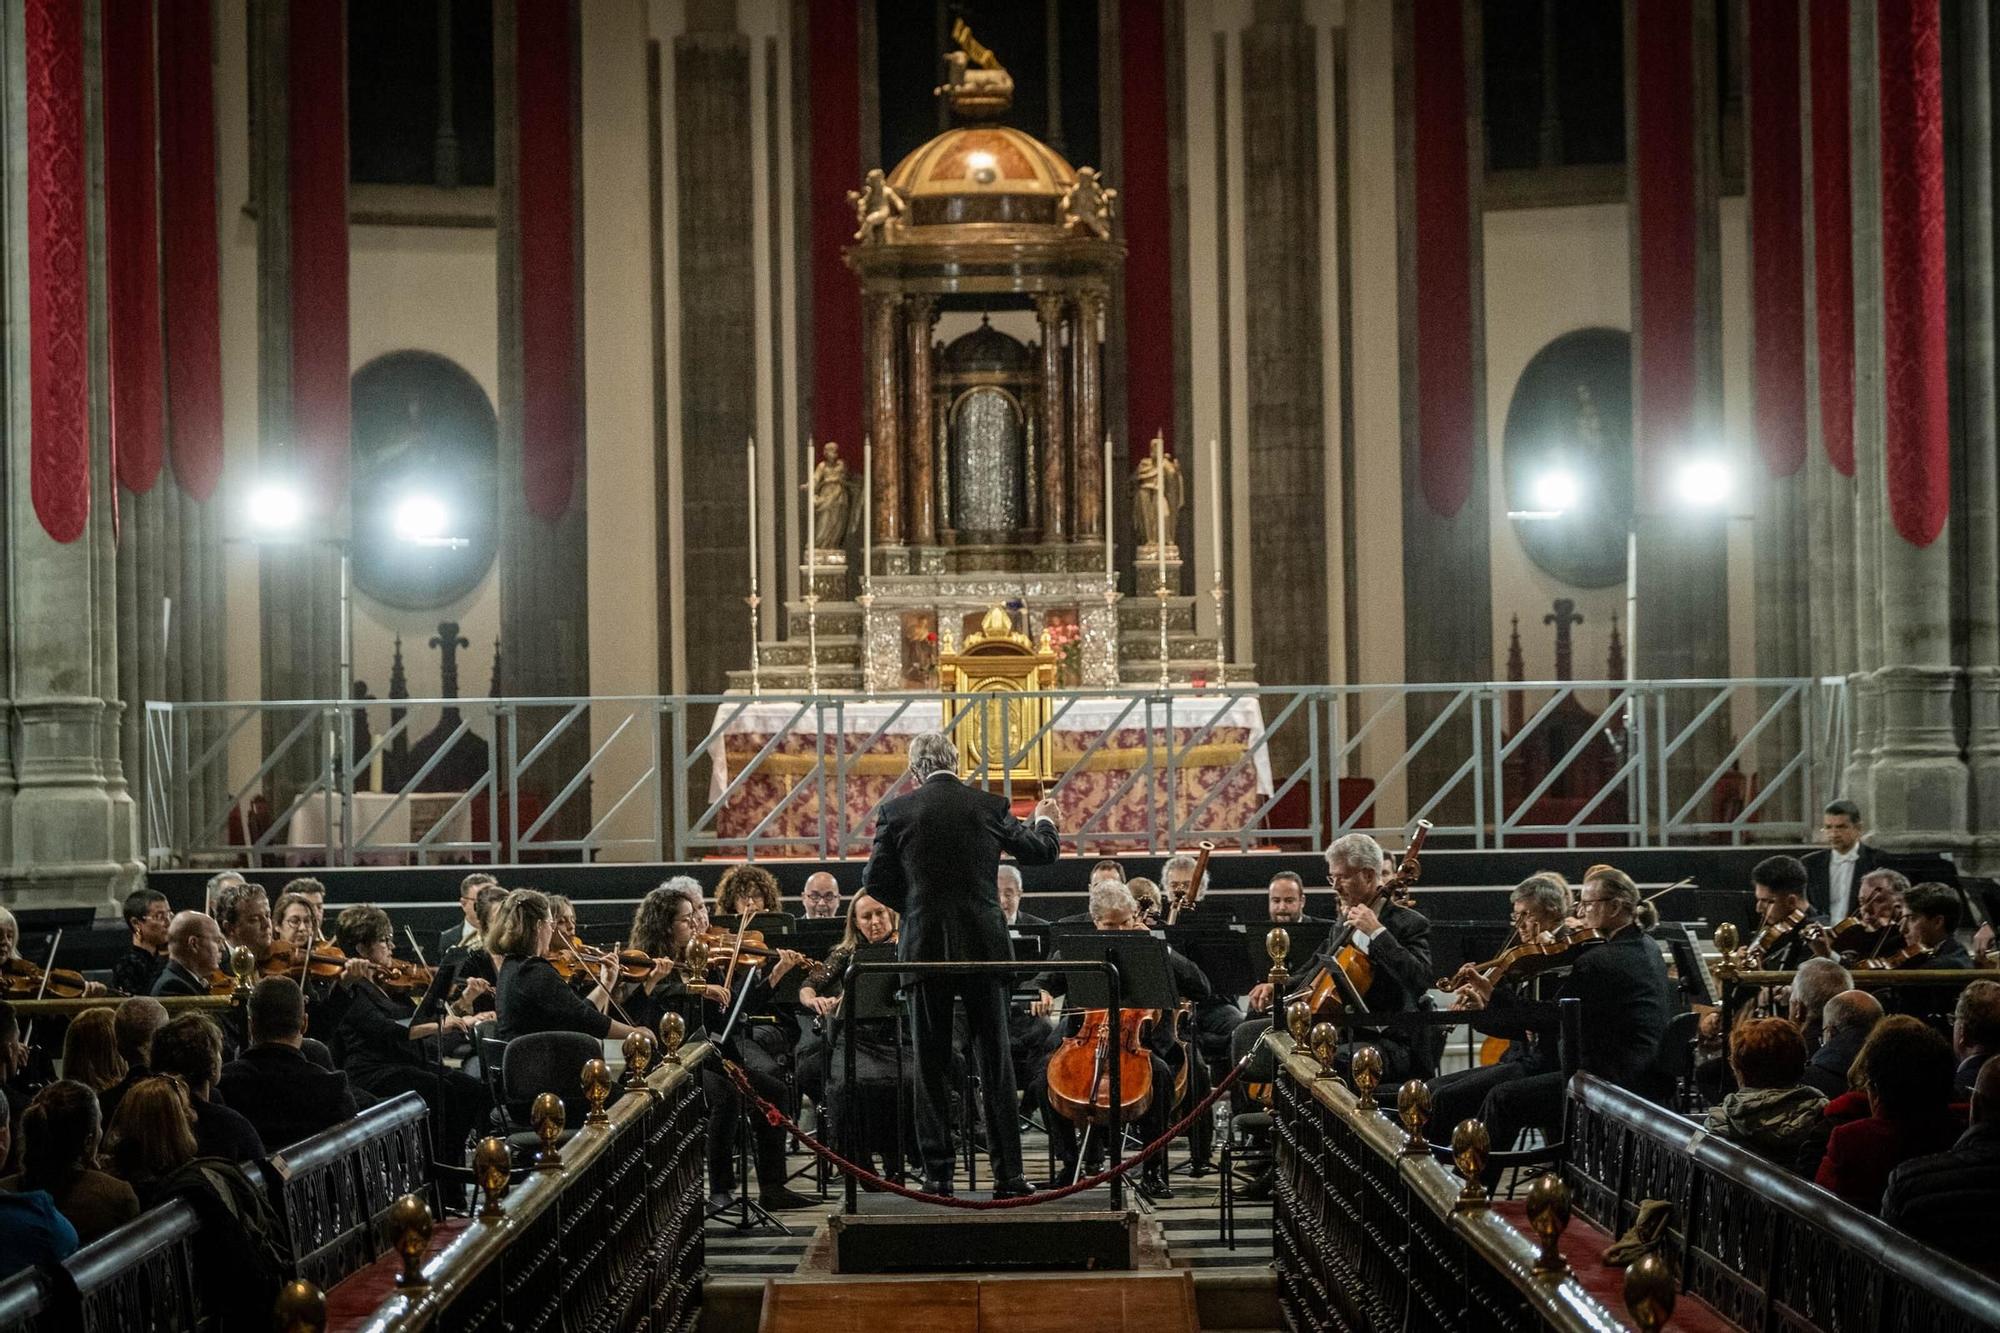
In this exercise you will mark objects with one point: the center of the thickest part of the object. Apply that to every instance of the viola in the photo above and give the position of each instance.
(322, 961)
(1773, 935)
(1079, 1073)
(1531, 958)
(30, 981)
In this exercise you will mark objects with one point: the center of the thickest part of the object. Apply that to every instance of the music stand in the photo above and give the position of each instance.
(748, 1213)
(1692, 975)
(1218, 950)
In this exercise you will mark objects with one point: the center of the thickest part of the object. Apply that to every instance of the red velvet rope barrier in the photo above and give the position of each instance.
(867, 1177)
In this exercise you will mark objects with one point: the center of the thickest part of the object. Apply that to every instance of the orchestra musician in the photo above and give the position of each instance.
(934, 860)
(1539, 906)
(1779, 883)
(1627, 999)
(1931, 918)
(531, 995)
(10, 942)
(387, 1050)
(194, 952)
(879, 1064)
(1396, 942)
(1285, 899)
(820, 898)
(1113, 907)
(147, 916)
(314, 894)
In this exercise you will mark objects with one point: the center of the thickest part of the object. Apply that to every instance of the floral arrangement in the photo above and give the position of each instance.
(1066, 637)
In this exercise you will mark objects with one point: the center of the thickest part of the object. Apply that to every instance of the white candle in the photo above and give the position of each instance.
(867, 506)
(1160, 505)
(1215, 503)
(1110, 510)
(812, 519)
(750, 455)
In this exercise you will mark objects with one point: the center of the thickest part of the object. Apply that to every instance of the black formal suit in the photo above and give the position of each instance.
(286, 1097)
(177, 980)
(1819, 876)
(937, 852)
(1026, 918)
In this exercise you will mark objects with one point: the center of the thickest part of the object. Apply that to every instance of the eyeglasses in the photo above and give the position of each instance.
(1593, 902)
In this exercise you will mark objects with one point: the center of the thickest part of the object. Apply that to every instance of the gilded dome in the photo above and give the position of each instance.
(983, 173)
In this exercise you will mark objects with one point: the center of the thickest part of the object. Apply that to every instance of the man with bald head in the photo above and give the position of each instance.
(1845, 1022)
(1818, 980)
(820, 897)
(194, 952)
(1948, 1200)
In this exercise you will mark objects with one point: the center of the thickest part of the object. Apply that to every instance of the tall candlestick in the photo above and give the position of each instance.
(750, 459)
(1110, 509)
(1215, 500)
(867, 508)
(1160, 541)
(812, 535)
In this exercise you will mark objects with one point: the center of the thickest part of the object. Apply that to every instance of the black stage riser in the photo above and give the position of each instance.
(914, 1238)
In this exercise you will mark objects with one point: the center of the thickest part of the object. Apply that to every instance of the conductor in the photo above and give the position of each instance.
(937, 852)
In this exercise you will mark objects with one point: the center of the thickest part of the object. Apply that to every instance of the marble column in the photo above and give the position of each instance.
(919, 314)
(884, 425)
(1919, 779)
(1050, 310)
(1864, 126)
(1087, 337)
(1969, 123)
(67, 825)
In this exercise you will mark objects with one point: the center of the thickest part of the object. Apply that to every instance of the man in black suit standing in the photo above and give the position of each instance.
(1834, 875)
(937, 854)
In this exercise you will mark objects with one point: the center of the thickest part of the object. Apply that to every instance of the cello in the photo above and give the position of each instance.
(1079, 1074)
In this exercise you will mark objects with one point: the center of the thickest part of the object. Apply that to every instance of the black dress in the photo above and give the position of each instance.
(884, 1065)
(375, 1037)
(533, 997)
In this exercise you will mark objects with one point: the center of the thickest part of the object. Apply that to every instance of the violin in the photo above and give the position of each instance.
(725, 944)
(1079, 1073)
(30, 981)
(1183, 901)
(322, 962)
(1772, 936)
(1531, 958)
(1906, 956)
(405, 979)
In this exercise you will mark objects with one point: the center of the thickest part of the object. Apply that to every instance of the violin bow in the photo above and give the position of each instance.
(610, 1000)
(41, 991)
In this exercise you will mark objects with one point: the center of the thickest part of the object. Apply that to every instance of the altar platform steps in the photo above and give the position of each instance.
(1180, 671)
(835, 650)
(797, 679)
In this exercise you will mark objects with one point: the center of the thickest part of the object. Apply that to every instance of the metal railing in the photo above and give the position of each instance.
(1491, 764)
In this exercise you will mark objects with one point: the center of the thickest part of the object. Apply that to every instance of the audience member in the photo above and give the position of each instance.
(1845, 1023)
(1975, 1030)
(90, 1050)
(59, 1133)
(32, 1229)
(133, 1026)
(152, 1136)
(285, 1096)
(1818, 980)
(190, 1048)
(1770, 1113)
(1905, 1069)
(1949, 1200)
(147, 917)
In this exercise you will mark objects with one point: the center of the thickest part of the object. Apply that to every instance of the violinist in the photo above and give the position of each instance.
(194, 954)
(1112, 907)
(877, 1061)
(314, 893)
(147, 917)
(1622, 985)
(388, 1050)
(669, 917)
(1783, 914)
(532, 996)
(1932, 916)
(1217, 1017)
(24, 975)
(1538, 905)
(297, 923)
(1396, 942)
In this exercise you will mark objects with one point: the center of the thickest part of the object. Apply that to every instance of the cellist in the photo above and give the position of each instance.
(1112, 907)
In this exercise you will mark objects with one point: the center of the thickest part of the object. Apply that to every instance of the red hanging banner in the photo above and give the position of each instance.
(58, 271)
(189, 242)
(1443, 254)
(551, 360)
(1833, 230)
(317, 137)
(1915, 377)
(1663, 173)
(131, 242)
(1777, 234)
(835, 52)
(1146, 209)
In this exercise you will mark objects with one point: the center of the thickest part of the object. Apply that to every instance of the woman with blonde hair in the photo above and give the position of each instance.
(152, 1136)
(532, 996)
(90, 1051)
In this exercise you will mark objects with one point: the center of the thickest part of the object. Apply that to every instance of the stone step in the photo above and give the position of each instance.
(843, 618)
(1143, 613)
(1180, 671)
(834, 650)
(795, 680)
(1145, 647)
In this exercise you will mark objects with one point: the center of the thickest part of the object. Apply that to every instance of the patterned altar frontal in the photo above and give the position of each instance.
(1196, 766)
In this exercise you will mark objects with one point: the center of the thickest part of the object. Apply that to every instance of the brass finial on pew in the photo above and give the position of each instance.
(1366, 1066)
(547, 1116)
(1650, 1291)
(1470, 1143)
(1325, 1041)
(638, 1052)
(410, 1228)
(1413, 1108)
(491, 1164)
(673, 1031)
(1548, 1214)
(300, 1308)
(1298, 1022)
(1278, 944)
(596, 1088)
(244, 964)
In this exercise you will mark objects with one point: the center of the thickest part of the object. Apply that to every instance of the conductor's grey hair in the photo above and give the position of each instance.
(1107, 897)
(932, 752)
(1356, 851)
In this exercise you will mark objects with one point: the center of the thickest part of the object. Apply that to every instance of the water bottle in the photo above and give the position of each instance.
(1222, 1120)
